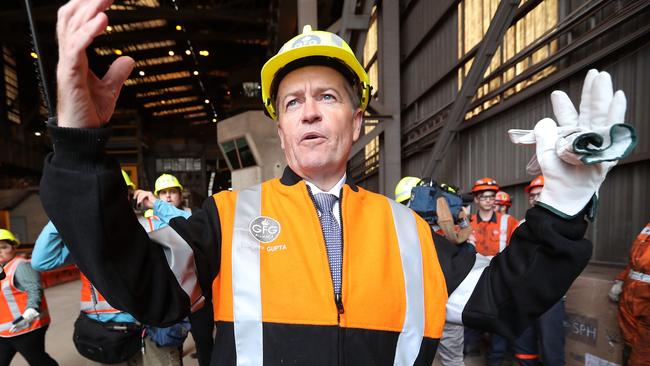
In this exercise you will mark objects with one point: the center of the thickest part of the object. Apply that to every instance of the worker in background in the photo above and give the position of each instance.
(491, 233)
(164, 204)
(24, 317)
(450, 348)
(534, 189)
(308, 269)
(491, 230)
(99, 322)
(631, 290)
(502, 202)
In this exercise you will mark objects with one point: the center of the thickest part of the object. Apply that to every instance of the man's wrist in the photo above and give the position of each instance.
(78, 148)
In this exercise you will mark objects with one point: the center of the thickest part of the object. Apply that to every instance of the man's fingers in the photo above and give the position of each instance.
(565, 112)
(602, 93)
(85, 35)
(617, 108)
(118, 73)
(86, 11)
(585, 98)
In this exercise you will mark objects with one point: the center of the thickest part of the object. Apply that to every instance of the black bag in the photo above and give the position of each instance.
(107, 343)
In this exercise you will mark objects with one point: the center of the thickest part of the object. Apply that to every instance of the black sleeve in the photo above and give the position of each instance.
(84, 195)
(454, 261)
(546, 254)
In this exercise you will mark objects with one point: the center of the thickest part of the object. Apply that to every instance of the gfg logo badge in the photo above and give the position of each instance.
(264, 229)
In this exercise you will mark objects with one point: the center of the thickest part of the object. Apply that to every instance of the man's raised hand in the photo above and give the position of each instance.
(84, 100)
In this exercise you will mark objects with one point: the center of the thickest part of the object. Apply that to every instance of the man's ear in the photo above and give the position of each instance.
(357, 122)
(281, 135)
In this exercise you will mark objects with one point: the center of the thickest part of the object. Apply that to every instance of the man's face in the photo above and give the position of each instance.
(317, 122)
(171, 195)
(485, 200)
(7, 252)
(533, 195)
(500, 208)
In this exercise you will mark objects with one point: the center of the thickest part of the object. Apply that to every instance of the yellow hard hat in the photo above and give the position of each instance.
(166, 181)
(8, 236)
(404, 187)
(127, 180)
(309, 44)
(148, 213)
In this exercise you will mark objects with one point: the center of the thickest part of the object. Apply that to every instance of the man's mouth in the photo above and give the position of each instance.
(311, 136)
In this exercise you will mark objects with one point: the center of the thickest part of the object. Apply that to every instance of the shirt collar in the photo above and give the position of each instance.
(493, 218)
(336, 190)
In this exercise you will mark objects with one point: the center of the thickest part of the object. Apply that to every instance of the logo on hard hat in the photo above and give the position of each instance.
(264, 229)
(307, 40)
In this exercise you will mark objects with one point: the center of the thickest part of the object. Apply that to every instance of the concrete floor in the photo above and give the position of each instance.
(63, 303)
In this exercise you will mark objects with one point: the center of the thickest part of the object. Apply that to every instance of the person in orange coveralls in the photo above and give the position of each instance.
(632, 291)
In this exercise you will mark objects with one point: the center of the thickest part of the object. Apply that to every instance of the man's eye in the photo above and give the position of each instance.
(292, 102)
(328, 97)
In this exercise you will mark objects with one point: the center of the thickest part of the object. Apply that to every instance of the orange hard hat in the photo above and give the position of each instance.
(485, 184)
(502, 198)
(537, 182)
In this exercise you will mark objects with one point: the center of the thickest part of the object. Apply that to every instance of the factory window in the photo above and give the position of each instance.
(178, 165)
(516, 54)
(11, 86)
(238, 153)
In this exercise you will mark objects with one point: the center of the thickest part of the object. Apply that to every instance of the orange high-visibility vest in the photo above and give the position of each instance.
(274, 269)
(13, 303)
(92, 302)
(492, 237)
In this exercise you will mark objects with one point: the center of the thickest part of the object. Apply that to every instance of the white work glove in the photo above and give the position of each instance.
(596, 135)
(28, 317)
(615, 291)
(568, 155)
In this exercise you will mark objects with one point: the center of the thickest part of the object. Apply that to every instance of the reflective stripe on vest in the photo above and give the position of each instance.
(410, 339)
(246, 286)
(503, 232)
(639, 276)
(247, 297)
(92, 301)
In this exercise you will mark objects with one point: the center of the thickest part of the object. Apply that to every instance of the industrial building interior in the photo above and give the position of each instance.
(192, 106)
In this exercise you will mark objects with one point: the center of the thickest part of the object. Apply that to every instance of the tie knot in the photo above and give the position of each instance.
(325, 202)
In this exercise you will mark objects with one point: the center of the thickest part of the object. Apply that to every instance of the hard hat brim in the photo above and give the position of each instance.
(279, 61)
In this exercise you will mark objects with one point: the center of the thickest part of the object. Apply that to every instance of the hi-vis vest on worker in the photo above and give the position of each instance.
(13, 303)
(275, 282)
(492, 238)
(92, 302)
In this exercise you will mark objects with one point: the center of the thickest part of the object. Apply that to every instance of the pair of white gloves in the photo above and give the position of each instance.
(575, 154)
(27, 318)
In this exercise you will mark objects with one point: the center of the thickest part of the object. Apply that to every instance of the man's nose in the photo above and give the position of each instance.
(311, 111)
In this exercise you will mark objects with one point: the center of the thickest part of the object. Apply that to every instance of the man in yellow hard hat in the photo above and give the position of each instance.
(404, 187)
(165, 202)
(310, 268)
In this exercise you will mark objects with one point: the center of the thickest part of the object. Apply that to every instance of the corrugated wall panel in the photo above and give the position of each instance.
(435, 58)
(418, 21)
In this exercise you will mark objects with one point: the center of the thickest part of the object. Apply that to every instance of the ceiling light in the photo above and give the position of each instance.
(171, 53)
(37, 133)
(188, 52)
(195, 73)
(118, 52)
(34, 55)
(141, 73)
(214, 120)
(204, 53)
(109, 28)
(207, 101)
(178, 27)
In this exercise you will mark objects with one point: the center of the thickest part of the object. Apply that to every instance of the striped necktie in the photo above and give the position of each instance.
(332, 234)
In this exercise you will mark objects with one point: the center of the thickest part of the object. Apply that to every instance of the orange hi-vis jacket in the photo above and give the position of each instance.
(13, 303)
(493, 236)
(92, 302)
(634, 303)
(277, 275)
